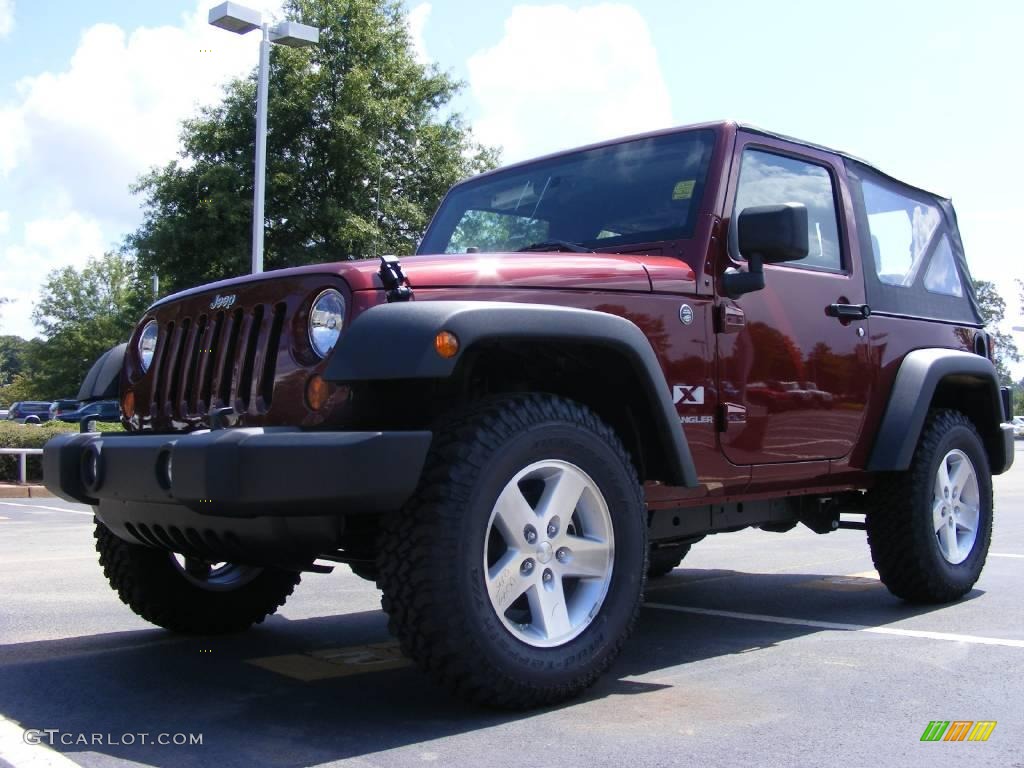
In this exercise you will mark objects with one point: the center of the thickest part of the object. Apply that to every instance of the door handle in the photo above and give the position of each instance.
(848, 312)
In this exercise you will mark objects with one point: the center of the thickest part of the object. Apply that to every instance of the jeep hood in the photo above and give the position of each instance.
(563, 271)
(579, 271)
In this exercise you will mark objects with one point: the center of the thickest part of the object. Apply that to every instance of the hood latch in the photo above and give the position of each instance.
(395, 281)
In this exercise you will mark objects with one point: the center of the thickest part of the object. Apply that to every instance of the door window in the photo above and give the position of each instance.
(770, 179)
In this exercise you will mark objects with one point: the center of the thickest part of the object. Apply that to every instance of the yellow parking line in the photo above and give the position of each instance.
(864, 575)
(335, 662)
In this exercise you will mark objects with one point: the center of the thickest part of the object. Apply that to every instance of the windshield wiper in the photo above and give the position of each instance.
(557, 245)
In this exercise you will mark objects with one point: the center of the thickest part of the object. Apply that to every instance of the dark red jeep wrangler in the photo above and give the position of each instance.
(596, 359)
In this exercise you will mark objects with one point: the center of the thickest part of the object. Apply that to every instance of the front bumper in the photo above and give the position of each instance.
(241, 472)
(247, 494)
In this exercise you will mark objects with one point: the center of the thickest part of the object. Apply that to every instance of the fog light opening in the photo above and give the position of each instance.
(165, 470)
(92, 467)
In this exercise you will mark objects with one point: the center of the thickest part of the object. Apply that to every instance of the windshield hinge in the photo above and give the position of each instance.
(395, 282)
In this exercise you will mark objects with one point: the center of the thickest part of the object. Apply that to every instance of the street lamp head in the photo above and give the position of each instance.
(235, 18)
(294, 35)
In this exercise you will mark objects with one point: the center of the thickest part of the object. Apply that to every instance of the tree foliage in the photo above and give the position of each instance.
(82, 314)
(361, 147)
(13, 351)
(993, 311)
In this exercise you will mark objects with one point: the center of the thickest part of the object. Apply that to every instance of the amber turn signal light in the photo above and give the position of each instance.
(128, 404)
(317, 392)
(446, 344)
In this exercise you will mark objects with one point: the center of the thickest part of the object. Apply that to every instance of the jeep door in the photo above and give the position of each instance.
(793, 381)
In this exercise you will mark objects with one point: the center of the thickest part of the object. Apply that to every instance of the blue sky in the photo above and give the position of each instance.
(91, 93)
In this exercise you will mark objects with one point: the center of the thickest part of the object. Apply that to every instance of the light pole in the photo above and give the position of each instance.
(242, 20)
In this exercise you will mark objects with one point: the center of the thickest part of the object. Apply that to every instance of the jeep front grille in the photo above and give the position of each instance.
(224, 358)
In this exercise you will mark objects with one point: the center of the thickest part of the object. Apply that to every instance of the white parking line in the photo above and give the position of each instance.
(51, 509)
(974, 639)
(1000, 554)
(15, 751)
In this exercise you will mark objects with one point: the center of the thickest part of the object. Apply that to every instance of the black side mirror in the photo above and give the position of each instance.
(766, 234)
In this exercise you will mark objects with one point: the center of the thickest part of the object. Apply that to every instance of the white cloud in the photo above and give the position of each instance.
(76, 138)
(5, 222)
(6, 17)
(562, 77)
(417, 21)
(47, 243)
(116, 110)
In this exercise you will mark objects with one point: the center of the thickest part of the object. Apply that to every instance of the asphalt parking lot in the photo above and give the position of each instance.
(762, 649)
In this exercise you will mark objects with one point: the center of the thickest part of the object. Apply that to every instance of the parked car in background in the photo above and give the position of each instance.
(60, 407)
(101, 410)
(1018, 427)
(29, 412)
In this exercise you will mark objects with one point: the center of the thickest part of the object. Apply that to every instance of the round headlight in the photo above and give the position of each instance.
(147, 344)
(325, 321)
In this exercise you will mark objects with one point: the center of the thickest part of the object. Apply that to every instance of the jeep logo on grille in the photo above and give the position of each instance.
(223, 302)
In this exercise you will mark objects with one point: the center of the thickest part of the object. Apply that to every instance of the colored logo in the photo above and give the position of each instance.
(958, 730)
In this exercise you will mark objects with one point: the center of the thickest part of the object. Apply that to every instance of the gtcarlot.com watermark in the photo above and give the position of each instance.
(56, 737)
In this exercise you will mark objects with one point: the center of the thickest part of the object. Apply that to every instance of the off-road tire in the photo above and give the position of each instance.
(366, 571)
(148, 582)
(438, 604)
(665, 560)
(900, 528)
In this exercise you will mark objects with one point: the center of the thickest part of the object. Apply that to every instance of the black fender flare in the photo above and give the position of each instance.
(912, 395)
(396, 341)
(103, 380)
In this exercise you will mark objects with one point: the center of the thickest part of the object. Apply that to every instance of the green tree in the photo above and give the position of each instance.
(362, 145)
(13, 350)
(82, 314)
(993, 311)
(22, 387)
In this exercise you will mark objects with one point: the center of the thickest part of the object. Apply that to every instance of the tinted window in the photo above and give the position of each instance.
(632, 192)
(902, 230)
(942, 276)
(769, 179)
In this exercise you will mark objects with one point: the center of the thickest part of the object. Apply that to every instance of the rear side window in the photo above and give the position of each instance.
(942, 276)
(910, 248)
(770, 179)
(902, 232)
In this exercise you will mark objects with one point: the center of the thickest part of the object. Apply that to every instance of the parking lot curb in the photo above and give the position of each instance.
(11, 491)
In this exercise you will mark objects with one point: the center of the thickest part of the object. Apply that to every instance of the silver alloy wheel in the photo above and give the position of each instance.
(214, 577)
(549, 553)
(956, 506)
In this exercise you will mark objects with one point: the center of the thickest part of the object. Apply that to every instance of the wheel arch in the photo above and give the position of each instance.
(940, 378)
(601, 360)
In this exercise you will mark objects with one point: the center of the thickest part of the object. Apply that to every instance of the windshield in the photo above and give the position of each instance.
(638, 191)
